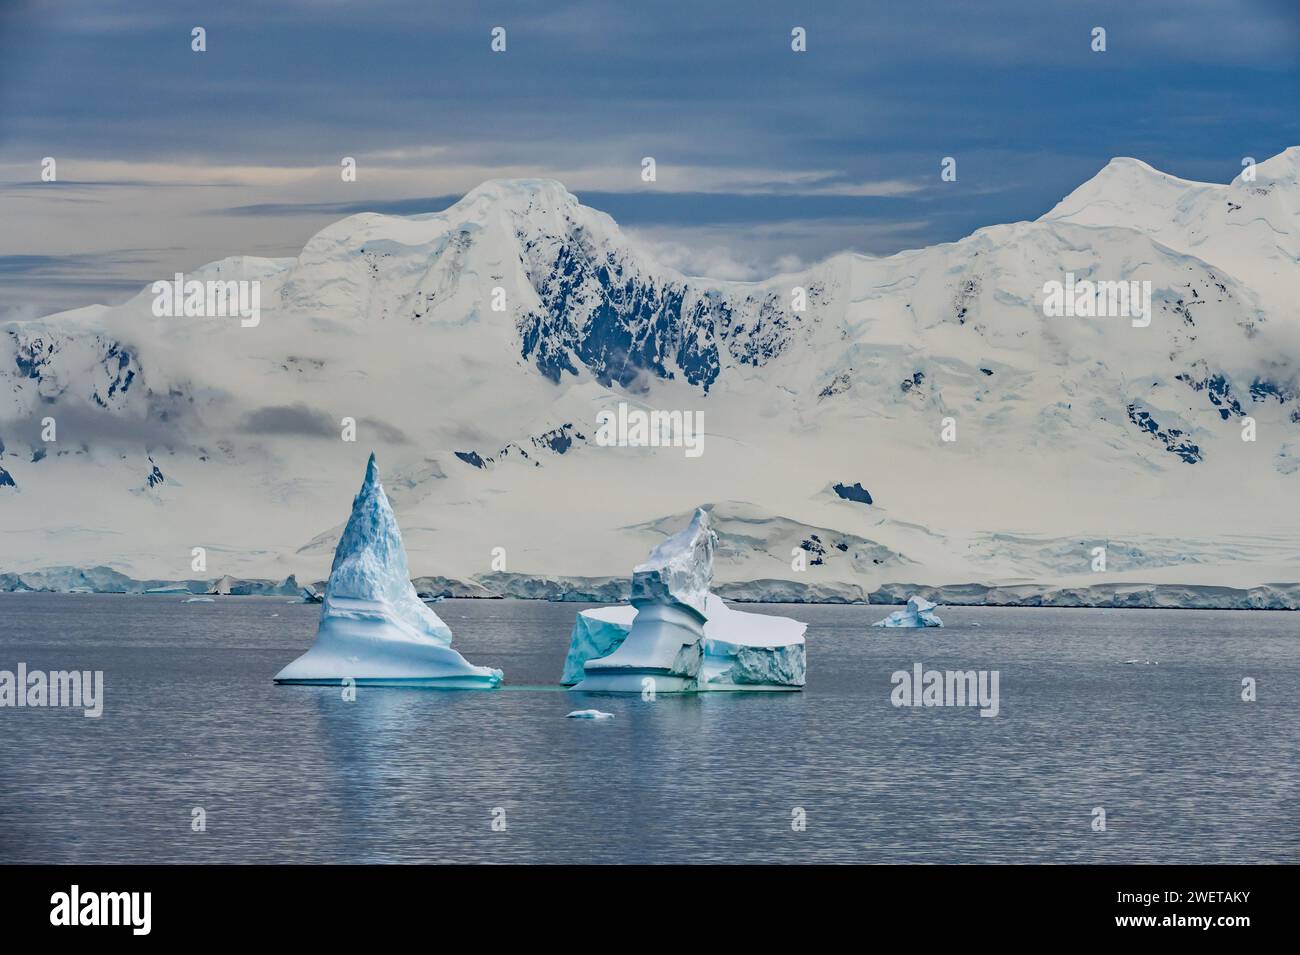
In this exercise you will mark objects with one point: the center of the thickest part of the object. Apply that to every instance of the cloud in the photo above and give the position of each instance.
(386, 432)
(93, 428)
(301, 421)
(295, 419)
(746, 134)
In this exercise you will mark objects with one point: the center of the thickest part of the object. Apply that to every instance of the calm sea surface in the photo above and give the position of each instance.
(1185, 770)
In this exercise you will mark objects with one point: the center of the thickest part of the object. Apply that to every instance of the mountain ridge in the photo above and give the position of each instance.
(1065, 428)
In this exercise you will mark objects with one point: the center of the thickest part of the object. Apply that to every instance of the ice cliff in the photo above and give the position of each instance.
(374, 628)
(679, 634)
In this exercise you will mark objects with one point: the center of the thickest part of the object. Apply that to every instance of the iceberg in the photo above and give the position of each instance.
(919, 612)
(680, 634)
(751, 651)
(670, 593)
(742, 651)
(596, 633)
(374, 629)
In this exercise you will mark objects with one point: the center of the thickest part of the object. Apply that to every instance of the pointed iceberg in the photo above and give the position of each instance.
(374, 628)
(679, 634)
(919, 612)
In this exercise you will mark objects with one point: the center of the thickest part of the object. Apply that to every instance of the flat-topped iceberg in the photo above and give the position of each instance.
(751, 651)
(679, 634)
(374, 629)
(919, 612)
(742, 651)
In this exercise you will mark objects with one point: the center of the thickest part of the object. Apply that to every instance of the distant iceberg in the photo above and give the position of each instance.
(681, 635)
(374, 628)
(919, 612)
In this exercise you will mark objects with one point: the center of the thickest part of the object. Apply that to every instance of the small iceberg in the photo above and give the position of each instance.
(374, 628)
(919, 612)
(681, 635)
(309, 596)
(199, 600)
(589, 715)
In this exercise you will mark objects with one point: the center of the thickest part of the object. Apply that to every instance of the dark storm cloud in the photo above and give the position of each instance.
(290, 420)
(78, 427)
(301, 421)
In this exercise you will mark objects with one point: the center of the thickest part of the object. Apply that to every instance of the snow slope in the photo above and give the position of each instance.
(1070, 433)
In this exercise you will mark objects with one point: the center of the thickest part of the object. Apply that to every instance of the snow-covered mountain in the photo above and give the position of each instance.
(824, 419)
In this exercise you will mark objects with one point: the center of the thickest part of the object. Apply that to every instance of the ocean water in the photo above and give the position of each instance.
(1184, 769)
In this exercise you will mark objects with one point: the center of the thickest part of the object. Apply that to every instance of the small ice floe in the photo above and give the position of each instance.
(589, 715)
(977, 624)
(199, 600)
(1144, 662)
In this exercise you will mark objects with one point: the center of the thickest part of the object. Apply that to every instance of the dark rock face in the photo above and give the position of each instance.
(853, 492)
(1173, 439)
(602, 312)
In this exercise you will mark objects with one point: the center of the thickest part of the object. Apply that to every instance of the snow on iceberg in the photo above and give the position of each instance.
(659, 636)
(374, 628)
(919, 612)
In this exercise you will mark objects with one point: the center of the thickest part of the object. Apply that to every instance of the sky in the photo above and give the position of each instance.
(766, 158)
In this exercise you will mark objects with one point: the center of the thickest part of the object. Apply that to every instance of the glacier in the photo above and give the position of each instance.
(919, 612)
(374, 628)
(660, 634)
